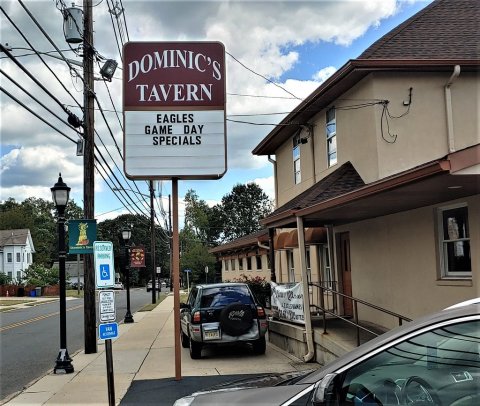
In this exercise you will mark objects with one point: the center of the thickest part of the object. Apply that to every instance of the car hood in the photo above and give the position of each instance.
(265, 389)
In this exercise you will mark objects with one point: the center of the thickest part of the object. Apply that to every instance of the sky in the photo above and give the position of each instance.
(275, 50)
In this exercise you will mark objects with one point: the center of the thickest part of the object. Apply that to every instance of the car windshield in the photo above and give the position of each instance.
(225, 295)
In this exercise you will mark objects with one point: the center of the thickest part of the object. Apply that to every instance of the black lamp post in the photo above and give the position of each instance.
(60, 194)
(126, 234)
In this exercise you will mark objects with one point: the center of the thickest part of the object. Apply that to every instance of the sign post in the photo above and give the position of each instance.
(108, 328)
(174, 123)
(188, 271)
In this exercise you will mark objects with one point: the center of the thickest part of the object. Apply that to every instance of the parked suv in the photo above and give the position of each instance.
(222, 313)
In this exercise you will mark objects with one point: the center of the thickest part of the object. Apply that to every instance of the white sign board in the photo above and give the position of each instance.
(287, 302)
(106, 306)
(103, 263)
(174, 97)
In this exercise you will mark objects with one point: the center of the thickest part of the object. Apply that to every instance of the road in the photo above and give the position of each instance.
(30, 337)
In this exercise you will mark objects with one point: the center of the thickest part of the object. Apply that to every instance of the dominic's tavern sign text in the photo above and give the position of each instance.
(174, 110)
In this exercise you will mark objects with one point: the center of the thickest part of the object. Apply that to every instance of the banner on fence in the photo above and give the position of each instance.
(287, 302)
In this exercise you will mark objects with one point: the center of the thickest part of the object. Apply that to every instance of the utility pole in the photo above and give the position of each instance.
(152, 230)
(90, 320)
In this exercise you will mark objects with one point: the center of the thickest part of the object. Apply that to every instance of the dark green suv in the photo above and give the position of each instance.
(222, 313)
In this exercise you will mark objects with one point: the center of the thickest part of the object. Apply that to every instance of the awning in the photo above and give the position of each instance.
(313, 235)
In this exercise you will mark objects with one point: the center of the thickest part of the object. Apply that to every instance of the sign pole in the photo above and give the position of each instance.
(176, 281)
(110, 379)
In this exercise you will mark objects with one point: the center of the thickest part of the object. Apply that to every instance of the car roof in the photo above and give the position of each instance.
(220, 285)
(464, 309)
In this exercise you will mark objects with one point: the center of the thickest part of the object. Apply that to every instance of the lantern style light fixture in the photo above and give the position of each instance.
(60, 195)
(126, 234)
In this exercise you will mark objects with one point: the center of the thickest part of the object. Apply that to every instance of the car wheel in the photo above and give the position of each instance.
(185, 340)
(195, 350)
(259, 346)
(236, 319)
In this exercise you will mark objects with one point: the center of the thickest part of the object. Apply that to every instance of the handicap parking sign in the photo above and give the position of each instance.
(104, 272)
(103, 263)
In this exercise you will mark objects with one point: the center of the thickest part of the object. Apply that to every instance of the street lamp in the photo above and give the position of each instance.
(60, 194)
(126, 234)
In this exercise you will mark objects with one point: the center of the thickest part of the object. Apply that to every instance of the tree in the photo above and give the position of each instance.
(39, 275)
(37, 215)
(242, 209)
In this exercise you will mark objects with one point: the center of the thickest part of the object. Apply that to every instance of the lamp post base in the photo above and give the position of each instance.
(63, 364)
(128, 318)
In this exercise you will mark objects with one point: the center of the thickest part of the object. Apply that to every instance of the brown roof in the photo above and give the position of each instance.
(245, 241)
(445, 29)
(442, 35)
(341, 181)
(14, 237)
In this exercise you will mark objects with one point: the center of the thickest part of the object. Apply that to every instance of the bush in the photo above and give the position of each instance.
(259, 286)
(5, 279)
(38, 275)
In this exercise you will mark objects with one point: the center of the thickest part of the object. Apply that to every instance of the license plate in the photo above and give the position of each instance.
(211, 335)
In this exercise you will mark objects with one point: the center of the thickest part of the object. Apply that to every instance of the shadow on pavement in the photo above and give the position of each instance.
(166, 391)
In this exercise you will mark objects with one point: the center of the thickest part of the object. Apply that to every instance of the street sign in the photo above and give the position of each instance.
(81, 235)
(137, 256)
(187, 270)
(106, 305)
(103, 263)
(107, 331)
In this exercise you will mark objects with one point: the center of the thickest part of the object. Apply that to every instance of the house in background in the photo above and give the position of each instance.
(383, 162)
(16, 252)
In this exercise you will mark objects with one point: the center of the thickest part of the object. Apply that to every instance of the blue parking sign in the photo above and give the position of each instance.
(107, 331)
(104, 272)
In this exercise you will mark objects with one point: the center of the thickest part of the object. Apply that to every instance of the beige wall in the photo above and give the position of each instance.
(230, 275)
(395, 263)
(421, 134)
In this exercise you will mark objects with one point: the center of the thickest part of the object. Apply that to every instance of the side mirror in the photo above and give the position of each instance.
(184, 306)
(324, 394)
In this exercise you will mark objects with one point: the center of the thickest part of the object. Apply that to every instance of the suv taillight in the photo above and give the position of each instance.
(197, 317)
(260, 312)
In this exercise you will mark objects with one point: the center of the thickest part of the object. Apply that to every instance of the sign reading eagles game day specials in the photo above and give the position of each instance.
(174, 110)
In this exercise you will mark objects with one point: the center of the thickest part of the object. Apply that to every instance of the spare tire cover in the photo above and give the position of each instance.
(236, 319)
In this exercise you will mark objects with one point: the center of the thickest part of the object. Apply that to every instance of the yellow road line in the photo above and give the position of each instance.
(38, 318)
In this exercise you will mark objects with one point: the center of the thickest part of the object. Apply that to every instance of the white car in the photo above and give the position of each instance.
(118, 285)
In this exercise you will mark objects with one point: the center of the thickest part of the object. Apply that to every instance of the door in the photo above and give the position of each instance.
(345, 272)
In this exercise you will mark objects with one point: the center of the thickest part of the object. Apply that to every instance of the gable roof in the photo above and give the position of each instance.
(445, 29)
(14, 237)
(343, 180)
(442, 35)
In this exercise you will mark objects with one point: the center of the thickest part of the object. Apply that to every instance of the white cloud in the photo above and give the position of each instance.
(264, 35)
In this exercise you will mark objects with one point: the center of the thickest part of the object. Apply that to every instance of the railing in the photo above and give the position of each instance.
(332, 310)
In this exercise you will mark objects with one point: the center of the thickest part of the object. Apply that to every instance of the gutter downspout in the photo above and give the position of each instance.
(306, 296)
(274, 162)
(448, 105)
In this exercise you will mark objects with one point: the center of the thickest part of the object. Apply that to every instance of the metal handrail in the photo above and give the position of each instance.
(355, 310)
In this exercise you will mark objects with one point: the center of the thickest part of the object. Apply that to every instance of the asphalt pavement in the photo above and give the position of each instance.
(144, 367)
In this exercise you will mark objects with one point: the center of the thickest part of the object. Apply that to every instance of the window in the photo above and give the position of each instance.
(454, 242)
(9, 257)
(28, 258)
(331, 127)
(297, 176)
(19, 275)
(259, 262)
(249, 263)
(440, 364)
(240, 264)
(326, 268)
(226, 265)
(18, 257)
(291, 267)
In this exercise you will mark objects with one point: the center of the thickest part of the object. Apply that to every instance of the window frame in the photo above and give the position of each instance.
(258, 261)
(9, 257)
(18, 257)
(291, 266)
(445, 273)
(297, 170)
(331, 137)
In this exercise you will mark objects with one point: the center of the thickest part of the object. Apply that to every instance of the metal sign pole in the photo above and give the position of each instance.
(110, 380)
(176, 281)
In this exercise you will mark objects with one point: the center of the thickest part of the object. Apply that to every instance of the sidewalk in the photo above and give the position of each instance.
(144, 367)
